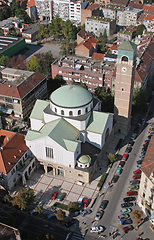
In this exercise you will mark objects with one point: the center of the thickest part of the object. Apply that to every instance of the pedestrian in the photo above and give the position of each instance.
(109, 183)
(135, 203)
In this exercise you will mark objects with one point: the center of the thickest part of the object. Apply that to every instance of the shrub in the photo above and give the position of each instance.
(61, 205)
(60, 215)
(102, 180)
(73, 206)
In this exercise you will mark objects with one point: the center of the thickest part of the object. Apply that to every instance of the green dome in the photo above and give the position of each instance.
(84, 159)
(71, 96)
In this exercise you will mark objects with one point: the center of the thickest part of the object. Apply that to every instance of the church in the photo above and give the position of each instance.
(68, 131)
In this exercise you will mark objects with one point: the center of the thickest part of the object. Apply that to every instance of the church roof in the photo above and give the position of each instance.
(60, 131)
(37, 112)
(71, 96)
(97, 122)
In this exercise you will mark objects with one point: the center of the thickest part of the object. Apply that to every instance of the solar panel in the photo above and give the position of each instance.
(8, 38)
(2, 44)
(6, 41)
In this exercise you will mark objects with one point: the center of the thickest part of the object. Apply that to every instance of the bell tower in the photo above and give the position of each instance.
(125, 74)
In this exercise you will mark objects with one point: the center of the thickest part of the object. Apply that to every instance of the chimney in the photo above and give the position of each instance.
(9, 163)
(15, 156)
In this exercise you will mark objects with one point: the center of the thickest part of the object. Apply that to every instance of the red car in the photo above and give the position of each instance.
(128, 228)
(54, 195)
(136, 176)
(137, 172)
(131, 193)
(85, 202)
(125, 156)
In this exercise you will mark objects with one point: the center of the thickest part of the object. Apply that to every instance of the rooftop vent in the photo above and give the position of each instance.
(15, 156)
(9, 163)
(20, 150)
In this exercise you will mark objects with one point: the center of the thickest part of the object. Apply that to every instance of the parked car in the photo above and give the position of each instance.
(137, 176)
(51, 216)
(97, 229)
(99, 215)
(126, 204)
(134, 135)
(70, 223)
(140, 161)
(61, 196)
(128, 199)
(80, 202)
(115, 179)
(131, 193)
(143, 153)
(126, 210)
(134, 182)
(84, 212)
(119, 170)
(133, 187)
(123, 216)
(125, 156)
(137, 172)
(103, 204)
(121, 164)
(128, 228)
(128, 149)
(141, 158)
(125, 221)
(54, 195)
(131, 143)
(138, 166)
(85, 202)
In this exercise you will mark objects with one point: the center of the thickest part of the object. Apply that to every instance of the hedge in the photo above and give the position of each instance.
(61, 206)
(102, 180)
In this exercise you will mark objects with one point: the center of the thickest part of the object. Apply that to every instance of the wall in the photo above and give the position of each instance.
(14, 49)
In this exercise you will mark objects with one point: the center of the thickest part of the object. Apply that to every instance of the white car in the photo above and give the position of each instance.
(134, 135)
(96, 229)
(80, 202)
(99, 215)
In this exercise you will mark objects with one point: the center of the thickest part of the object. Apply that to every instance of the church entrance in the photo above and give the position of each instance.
(49, 169)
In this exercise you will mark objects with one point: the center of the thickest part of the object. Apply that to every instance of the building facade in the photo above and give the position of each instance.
(16, 161)
(75, 11)
(73, 131)
(19, 90)
(44, 9)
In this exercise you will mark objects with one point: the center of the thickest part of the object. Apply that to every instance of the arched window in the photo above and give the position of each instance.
(70, 113)
(62, 112)
(86, 109)
(79, 112)
(55, 110)
(124, 59)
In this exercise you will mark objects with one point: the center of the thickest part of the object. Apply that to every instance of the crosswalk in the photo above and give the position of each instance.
(77, 236)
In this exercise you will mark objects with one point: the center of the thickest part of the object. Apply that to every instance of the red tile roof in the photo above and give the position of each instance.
(114, 46)
(99, 56)
(148, 162)
(136, 5)
(12, 147)
(22, 89)
(148, 17)
(120, 2)
(148, 8)
(83, 34)
(92, 6)
(89, 42)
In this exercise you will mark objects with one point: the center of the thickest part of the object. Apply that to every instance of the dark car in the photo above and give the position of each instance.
(121, 164)
(128, 150)
(70, 223)
(103, 204)
(136, 176)
(126, 204)
(115, 179)
(139, 161)
(128, 228)
(125, 221)
(134, 182)
(128, 199)
(131, 143)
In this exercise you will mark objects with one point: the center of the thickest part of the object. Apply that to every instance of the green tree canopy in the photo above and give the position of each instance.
(139, 30)
(73, 206)
(140, 98)
(32, 64)
(39, 209)
(136, 214)
(106, 97)
(17, 11)
(102, 40)
(60, 215)
(24, 197)
(4, 60)
(44, 64)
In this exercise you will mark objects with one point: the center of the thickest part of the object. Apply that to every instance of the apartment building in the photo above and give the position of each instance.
(110, 11)
(16, 160)
(131, 16)
(97, 25)
(75, 11)
(126, 34)
(148, 21)
(61, 8)
(44, 9)
(88, 10)
(146, 190)
(87, 47)
(19, 90)
(79, 69)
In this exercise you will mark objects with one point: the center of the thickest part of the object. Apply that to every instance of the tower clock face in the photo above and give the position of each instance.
(124, 69)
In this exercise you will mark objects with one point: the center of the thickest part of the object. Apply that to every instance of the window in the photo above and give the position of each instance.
(69, 165)
(49, 152)
(62, 112)
(55, 110)
(79, 112)
(13, 170)
(144, 195)
(86, 109)
(70, 113)
(25, 155)
(125, 59)
(85, 165)
(122, 89)
(80, 175)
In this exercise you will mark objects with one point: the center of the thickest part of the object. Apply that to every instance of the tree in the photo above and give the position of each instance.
(44, 64)
(136, 214)
(140, 98)
(73, 206)
(60, 215)
(4, 60)
(139, 30)
(32, 64)
(111, 157)
(7, 198)
(17, 11)
(102, 40)
(39, 209)
(24, 197)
